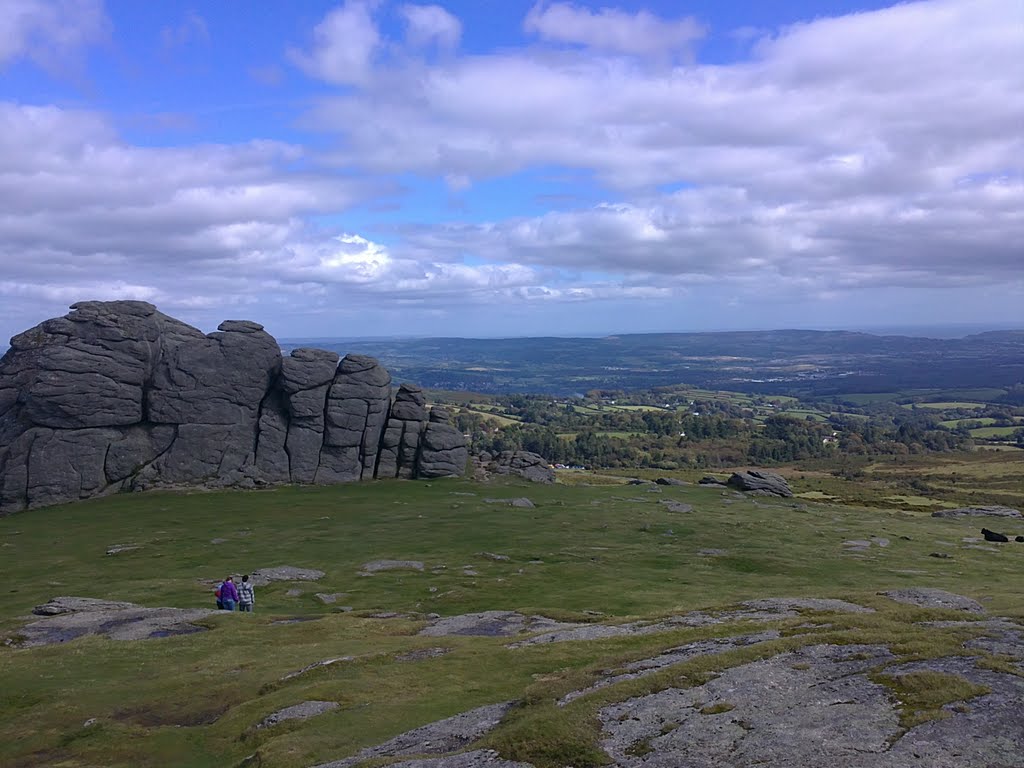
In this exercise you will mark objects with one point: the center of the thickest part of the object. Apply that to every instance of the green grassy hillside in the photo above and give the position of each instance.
(602, 553)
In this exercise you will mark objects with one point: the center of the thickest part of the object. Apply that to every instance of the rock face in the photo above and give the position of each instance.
(532, 466)
(760, 481)
(118, 396)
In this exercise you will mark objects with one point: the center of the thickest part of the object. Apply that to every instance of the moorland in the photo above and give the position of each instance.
(575, 612)
(594, 551)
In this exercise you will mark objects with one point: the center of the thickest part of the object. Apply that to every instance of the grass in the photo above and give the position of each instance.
(193, 700)
(922, 695)
(985, 432)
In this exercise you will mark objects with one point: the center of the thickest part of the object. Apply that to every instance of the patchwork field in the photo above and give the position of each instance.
(616, 562)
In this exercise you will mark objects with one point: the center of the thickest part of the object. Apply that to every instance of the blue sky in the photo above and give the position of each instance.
(487, 168)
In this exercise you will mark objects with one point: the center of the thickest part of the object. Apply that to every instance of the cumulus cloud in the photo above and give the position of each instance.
(196, 230)
(610, 29)
(850, 151)
(344, 44)
(431, 24)
(50, 32)
(851, 156)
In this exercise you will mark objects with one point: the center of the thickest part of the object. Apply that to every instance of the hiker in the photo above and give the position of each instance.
(246, 595)
(228, 594)
(216, 594)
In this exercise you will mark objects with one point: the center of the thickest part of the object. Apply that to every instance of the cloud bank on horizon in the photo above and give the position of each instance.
(386, 168)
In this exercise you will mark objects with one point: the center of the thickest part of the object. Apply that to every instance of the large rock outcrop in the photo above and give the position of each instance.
(119, 396)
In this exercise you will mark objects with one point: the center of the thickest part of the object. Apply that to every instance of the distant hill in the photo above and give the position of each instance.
(808, 362)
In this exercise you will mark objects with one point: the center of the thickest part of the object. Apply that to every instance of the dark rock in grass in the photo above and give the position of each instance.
(990, 511)
(670, 481)
(438, 738)
(117, 396)
(639, 481)
(524, 464)
(263, 576)
(492, 624)
(927, 597)
(69, 617)
(710, 480)
(940, 555)
(477, 758)
(760, 481)
(303, 711)
(676, 506)
(67, 604)
(993, 536)
(421, 654)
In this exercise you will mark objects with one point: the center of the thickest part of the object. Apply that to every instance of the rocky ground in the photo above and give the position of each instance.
(816, 704)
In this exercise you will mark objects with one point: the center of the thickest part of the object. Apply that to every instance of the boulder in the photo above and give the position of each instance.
(992, 511)
(401, 441)
(118, 396)
(525, 464)
(357, 410)
(443, 451)
(760, 481)
(710, 480)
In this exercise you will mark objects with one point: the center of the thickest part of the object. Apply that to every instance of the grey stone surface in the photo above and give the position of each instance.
(67, 618)
(400, 444)
(985, 511)
(118, 396)
(443, 451)
(438, 738)
(670, 481)
(421, 654)
(760, 481)
(767, 609)
(928, 597)
(821, 709)
(674, 656)
(676, 506)
(303, 711)
(263, 576)
(525, 464)
(477, 758)
(493, 624)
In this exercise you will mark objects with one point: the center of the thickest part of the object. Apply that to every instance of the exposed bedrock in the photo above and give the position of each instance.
(119, 396)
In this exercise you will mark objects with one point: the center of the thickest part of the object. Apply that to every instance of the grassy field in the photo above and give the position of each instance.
(986, 432)
(587, 552)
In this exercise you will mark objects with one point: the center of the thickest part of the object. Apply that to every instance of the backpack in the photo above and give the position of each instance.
(216, 592)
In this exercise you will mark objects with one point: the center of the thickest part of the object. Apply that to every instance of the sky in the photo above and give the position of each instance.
(514, 168)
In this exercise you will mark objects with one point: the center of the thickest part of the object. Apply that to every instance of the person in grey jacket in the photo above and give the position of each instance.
(246, 595)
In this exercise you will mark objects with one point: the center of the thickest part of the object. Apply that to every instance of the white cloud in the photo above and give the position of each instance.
(344, 44)
(50, 32)
(431, 24)
(879, 146)
(613, 30)
(848, 157)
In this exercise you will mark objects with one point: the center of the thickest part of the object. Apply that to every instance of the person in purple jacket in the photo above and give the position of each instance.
(228, 594)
